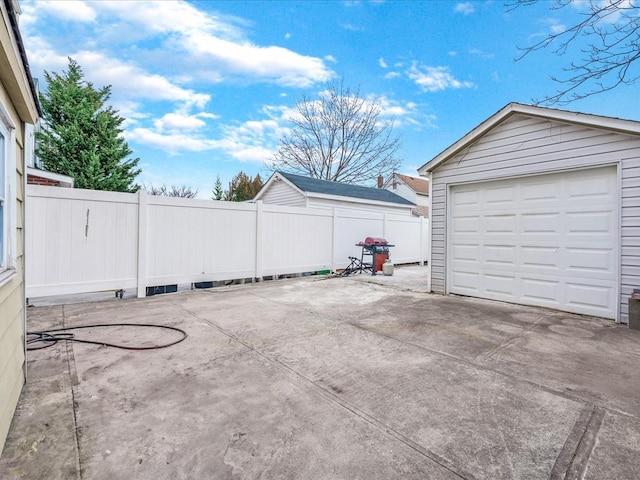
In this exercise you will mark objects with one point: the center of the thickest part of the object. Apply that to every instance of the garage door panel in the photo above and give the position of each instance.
(462, 198)
(502, 196)
(500, 224)
(590, 297)
(548, 240)
(502, 285)
(540, 257)
(467, 281)
(466, 224)
(500, 255)
(591, 260)
(591, 186)
(539, 191)
(541, 223)
(588, 223)
(540, 290)
(466, 253)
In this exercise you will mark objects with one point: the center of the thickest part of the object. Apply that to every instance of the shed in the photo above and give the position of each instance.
(299, 191)
(539, 206)
(414, 189)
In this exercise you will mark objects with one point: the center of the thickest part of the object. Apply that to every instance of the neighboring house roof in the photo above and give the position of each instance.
(314, 187)
(418, 185)
(588, 120)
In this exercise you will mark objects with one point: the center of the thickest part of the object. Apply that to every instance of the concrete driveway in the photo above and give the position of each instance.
(323, 378)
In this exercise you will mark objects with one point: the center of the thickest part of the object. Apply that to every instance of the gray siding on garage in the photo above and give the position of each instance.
(524, 145)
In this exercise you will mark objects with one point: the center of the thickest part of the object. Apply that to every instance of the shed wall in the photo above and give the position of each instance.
(524, 145)
(279, 193)
(329, 203)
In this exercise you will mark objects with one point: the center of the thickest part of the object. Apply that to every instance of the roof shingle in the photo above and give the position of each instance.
(314, 185)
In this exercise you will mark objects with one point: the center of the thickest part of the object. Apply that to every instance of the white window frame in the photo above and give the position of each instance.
(7, 194)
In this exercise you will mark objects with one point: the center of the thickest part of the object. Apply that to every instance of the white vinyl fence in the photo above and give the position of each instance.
(82, 241)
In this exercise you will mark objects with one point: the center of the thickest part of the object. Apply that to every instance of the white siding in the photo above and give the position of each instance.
(524, 145)
(345, 204)
(279, 193)
(421, 200)
(403, 190)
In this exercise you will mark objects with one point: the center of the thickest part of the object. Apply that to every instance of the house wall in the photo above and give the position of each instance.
(524, 145)
(279, 193)
(421, 200)
(403, 190)
(12, 312)
(19, 109)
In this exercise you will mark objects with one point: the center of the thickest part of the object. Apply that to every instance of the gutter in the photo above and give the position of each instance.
(13, 19)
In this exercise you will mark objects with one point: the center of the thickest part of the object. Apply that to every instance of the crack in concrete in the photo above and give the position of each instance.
(73, 382)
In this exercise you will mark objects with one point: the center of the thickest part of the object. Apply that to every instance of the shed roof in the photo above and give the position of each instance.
(325, 187)
(596, 121)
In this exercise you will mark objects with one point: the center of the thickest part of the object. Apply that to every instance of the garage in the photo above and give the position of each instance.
(546, 240)
(539, 206)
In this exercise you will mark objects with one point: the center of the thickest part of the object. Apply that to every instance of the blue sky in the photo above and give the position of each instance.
(207, 86)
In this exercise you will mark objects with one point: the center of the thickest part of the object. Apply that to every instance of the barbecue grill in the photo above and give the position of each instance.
(378, 249)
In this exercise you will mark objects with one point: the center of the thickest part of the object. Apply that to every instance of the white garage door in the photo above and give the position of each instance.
(548, 240)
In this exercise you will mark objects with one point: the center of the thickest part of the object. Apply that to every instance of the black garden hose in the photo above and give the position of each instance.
(52, 336)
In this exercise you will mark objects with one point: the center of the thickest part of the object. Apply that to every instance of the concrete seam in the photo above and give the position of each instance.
(568, 452)
(330, 396)
(73, 381)
(511, 340)
(479, 366)
(580, 461)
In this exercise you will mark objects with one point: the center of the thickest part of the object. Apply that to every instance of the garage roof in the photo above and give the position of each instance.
(597, 121)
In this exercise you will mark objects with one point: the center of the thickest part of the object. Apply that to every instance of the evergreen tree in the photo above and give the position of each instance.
(218, 192)
(81, 136)
(242, 187)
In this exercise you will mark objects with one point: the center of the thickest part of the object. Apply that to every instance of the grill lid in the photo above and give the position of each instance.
(375, 241)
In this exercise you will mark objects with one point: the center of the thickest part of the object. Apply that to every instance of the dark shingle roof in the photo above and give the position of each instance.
(314, 185)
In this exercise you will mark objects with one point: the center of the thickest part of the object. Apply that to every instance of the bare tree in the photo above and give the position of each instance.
(610, 29)
(173, 191)
(340, 137)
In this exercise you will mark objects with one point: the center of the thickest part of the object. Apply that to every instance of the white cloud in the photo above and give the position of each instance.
(330, 58)
(465, 8)
(382, 63)
(172, 143)
(213, 43)
(133, 81)
(392, 75)
(480, 53)
(73, 10)
(178, 121)
(434, 79)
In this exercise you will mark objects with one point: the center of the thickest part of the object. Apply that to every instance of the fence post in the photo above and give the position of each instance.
(333, 239)
(421, 240)
(384, 225)
(142, 243)
(259, 228)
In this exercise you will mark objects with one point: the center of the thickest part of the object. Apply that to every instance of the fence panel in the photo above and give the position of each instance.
(81, 241)
(295, 240)
(199, 240)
